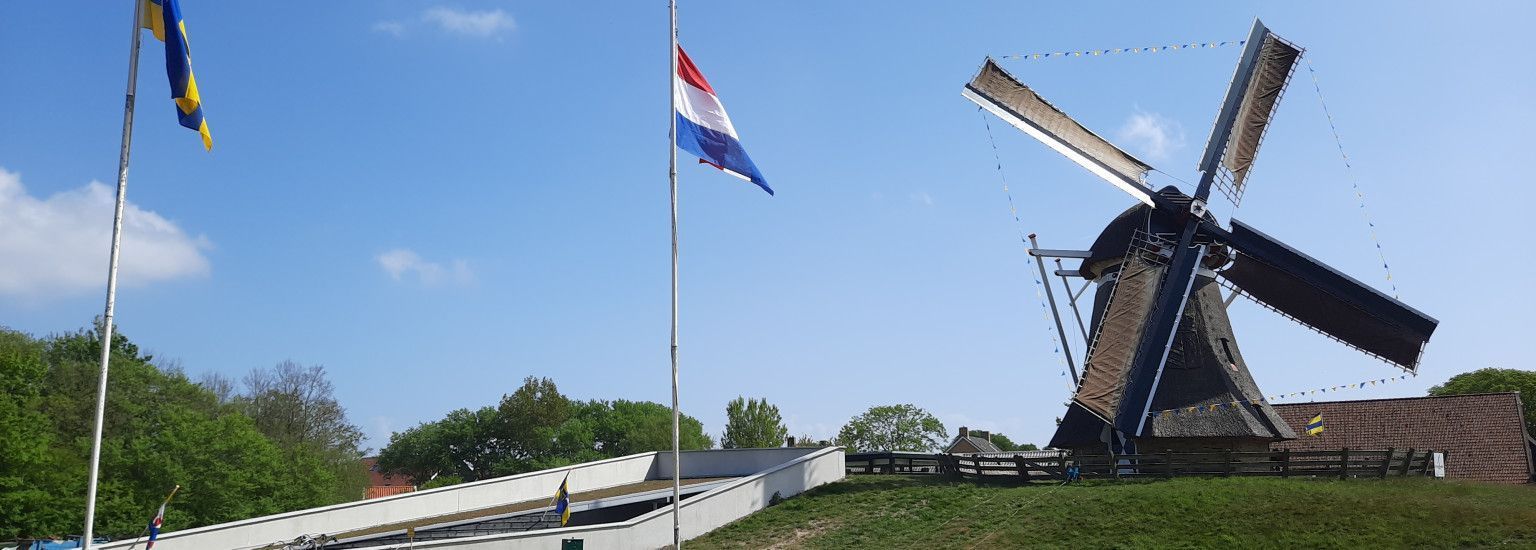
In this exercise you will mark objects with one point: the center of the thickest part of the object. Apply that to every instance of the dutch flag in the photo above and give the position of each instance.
(154, 527)
(704, 129)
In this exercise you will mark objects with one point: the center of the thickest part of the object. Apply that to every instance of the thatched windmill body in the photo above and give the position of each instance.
(1162, 340)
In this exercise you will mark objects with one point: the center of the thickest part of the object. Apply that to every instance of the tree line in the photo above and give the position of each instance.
(536, 427)
(276, 441)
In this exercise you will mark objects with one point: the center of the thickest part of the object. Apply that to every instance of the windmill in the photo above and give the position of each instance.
(1162, 340)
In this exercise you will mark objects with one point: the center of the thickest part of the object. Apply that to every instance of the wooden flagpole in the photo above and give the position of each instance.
(117, 238)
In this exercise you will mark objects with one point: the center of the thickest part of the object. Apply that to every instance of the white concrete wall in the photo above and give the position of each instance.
(803, 469)
(445, 500)
(728, 462)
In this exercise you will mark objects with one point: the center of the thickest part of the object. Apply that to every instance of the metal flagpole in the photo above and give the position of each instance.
(117, 238)
(677, 485)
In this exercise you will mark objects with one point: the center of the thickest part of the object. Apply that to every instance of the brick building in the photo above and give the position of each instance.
(381, 485)
(968, 441)
(1483, 435)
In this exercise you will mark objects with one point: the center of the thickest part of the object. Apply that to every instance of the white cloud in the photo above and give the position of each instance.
(921, 197)
(1152, 135)
(58, 246)
(392, 28)
(478, 24)
(402, 263)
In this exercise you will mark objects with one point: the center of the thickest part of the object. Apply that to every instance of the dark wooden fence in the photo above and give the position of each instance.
(892, 463)
(1343, 463)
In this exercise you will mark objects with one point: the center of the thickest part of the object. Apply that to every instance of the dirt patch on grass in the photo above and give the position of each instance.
(801, 534)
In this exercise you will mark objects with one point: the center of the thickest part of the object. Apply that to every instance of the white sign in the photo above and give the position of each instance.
(1439, 464)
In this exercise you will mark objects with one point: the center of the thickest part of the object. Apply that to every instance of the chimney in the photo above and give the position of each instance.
(965, 432)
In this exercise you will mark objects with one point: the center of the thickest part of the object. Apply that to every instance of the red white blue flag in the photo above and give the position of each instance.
(704, 129)
(154, 527)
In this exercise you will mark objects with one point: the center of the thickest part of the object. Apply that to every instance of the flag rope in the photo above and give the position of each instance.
(1212, 407)
(1353, 181)
(1112, 51)
(1013, 210)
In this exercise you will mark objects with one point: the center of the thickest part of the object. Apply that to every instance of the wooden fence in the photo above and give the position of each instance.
(892, 463)
(1343, 463)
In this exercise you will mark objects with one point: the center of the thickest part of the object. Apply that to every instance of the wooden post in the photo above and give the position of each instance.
(1386, 463)
(1285, 463)
(1407, 461)
(1168, 462)
(1230, 466)
(1344, 463)
(1018, 463)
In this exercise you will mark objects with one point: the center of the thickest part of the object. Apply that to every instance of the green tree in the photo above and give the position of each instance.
(295, 407)
(530, 420)
(533, 428)
(751, 423)
(893, 428)
(1004, 444)
(161, 430)
(1489, 380)
(622, 427)
(805, 440)
(31, 501)
(464, 444)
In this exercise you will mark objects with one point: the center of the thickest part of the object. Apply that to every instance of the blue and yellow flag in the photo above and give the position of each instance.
(562, 501)
(1316, 425)
(158, 16)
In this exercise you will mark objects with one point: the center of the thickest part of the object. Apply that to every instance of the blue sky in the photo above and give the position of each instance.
(436, 199)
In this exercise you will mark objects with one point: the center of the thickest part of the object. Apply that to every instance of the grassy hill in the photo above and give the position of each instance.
(929, 512)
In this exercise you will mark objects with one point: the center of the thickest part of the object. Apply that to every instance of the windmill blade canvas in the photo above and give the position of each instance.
(1318, 296)
(1003, 95)
(1259, 81)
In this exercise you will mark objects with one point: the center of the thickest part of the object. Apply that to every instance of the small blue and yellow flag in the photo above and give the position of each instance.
(562, 501)
(158, 16)
(1316, 425)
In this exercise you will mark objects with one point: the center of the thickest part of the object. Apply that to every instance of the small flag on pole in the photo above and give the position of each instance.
(562, 501)
(160, 16)
(154, 526)
(704, 129)
(1315, 426)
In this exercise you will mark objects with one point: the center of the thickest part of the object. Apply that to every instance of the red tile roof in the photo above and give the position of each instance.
(1483, 435)
(378, 479)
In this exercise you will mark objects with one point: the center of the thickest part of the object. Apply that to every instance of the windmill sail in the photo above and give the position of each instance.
(1304, 289)
(1003, 95)
(1260, 79)
(1119, 322)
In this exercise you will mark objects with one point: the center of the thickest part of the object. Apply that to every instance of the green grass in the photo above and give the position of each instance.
(930, 512)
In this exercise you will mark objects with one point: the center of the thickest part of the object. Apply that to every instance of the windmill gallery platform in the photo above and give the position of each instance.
(616, 503)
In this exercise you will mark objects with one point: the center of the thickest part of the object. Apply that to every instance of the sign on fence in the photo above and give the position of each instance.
(1439, 464)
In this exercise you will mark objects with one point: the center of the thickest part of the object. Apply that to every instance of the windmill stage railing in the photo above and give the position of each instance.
(1343, 463)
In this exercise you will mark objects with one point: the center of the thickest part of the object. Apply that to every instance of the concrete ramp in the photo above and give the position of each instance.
(617, 503)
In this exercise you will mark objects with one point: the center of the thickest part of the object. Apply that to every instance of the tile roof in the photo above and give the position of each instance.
(1483, 435)
(980, 445)
(379, 479)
